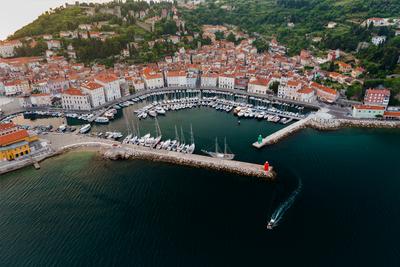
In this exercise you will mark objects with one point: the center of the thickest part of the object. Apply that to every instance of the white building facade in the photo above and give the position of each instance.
(209, 80)
(176, 79)
(95, 92)
(259, 86)
(111, 86)
(7, 48)
(226, 81)
(74, 99)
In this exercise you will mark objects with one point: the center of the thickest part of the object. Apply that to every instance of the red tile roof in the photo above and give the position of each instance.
(92, 86)
(323, 88)
(73, 91)
(306, 90)
(13, 137)
(40, 94)
(176, 73)
(369, 107)
(392, 114)
(385, 92)
(6, 126)
(106, 77)
(293, 83)
(260, 81)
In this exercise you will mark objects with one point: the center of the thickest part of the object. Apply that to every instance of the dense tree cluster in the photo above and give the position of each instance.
(30, 50)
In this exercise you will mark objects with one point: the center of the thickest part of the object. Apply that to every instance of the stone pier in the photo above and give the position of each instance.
(116, 150)
(275, 137)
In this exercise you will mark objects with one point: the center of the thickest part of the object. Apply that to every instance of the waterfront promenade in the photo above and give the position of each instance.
(115, 150)
(27, 160)
(166, 90)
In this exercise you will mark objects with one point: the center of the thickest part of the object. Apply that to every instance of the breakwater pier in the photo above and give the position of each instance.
(324, 122)
(275, 137)
(115, 150)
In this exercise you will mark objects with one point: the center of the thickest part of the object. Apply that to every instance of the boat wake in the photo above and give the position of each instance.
(281, 210)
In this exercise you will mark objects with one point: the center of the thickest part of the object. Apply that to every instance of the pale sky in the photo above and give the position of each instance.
(16, 13)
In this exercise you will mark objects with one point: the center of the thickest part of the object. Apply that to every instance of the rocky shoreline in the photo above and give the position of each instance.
(336, 124)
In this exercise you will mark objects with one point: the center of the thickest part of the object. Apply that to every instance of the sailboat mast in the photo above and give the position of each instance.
(225, 145)
(216, 144)
(176, 134)
(138, 130)
(158, 130)
(191, 134)
(182, 136)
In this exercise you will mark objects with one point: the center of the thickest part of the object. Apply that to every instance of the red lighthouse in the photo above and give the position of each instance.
(266, 166)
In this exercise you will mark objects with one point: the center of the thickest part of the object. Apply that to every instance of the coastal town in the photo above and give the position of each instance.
(57, 81)
(199, 132)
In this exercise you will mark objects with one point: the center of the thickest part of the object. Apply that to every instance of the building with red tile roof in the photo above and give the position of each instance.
(110, 82)
(74, 99)
(14, 142)
(259, 86)
(96, 93)
(325, 93)
(377, 97)
(368, 112)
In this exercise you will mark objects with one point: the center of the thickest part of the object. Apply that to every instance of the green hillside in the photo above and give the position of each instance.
(310, 17)
(60, 19)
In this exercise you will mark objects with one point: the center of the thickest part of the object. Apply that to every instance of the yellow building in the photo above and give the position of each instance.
(14, 142)
(14, 151)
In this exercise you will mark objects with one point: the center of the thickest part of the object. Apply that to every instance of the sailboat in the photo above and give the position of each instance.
(218, 154)
(174, 143)
(158, 137)
(192, 146)
(181, 146)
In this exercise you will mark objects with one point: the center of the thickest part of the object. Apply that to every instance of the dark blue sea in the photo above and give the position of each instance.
(80, 210)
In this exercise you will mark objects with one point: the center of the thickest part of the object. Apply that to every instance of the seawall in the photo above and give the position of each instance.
(317, 123)
(115, 150)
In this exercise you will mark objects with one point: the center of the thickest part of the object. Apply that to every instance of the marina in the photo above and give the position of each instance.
(180, 98)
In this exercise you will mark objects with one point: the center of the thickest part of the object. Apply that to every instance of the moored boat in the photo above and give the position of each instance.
(85, 128)
(102, 120)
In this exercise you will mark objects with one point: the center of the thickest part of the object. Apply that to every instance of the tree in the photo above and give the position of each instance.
(274, 87)
(261, 45)
(354, 91)
(231, 37)
(206, 41)
(219, 35)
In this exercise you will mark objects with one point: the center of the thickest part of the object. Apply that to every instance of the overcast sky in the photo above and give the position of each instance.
(16, 13)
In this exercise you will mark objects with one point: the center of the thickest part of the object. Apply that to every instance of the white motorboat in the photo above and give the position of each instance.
(153, 113)
(85, 128)
(160, 111)
(62, 128)
(102, 120)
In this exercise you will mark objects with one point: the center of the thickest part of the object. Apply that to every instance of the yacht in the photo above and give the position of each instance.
(160, 111)
(102, 120)
(62, 128)
(153, 113)
(220, 155)
(85, 128)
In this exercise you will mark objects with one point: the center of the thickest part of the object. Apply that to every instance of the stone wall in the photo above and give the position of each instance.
(196, 161)
(335, 124)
